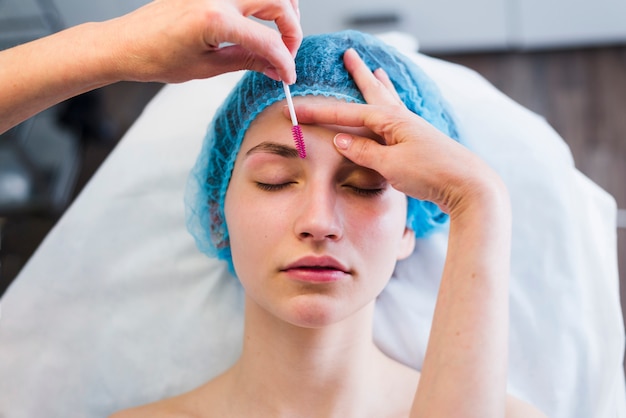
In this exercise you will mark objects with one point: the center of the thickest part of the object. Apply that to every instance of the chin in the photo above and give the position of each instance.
(317, 311)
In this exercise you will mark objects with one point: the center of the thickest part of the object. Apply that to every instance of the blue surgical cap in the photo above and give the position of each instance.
(320, 70)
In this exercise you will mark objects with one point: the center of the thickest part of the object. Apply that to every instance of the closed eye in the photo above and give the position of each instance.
(367, 192)
(359, 191)
(273, 187)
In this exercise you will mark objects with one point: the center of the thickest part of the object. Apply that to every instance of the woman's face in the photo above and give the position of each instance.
(313, 240)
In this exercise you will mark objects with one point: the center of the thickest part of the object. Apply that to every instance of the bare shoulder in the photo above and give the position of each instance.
(516, 408)
(169, 408)
(200, 402)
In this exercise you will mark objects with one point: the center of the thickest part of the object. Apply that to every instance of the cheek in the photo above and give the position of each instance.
(390, 219)
(237, 221)
(379, 228)
(251, 226)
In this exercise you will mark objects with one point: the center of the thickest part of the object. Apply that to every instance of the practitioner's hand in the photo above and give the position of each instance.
(166, 41)
(178, 40)
(416, 158)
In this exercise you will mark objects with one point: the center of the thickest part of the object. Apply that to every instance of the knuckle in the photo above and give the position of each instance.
(374, 86)
(362, 151)
(248, 60)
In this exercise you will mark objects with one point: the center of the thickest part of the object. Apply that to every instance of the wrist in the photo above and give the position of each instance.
(104, 60)
(83, 57)
(484, 198)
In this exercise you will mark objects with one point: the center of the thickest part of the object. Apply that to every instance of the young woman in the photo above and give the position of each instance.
(314, 240)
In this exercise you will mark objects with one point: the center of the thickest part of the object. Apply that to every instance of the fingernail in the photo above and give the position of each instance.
(342, 141)
(290, 81)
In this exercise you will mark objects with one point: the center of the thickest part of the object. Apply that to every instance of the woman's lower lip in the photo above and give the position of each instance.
(314, 275)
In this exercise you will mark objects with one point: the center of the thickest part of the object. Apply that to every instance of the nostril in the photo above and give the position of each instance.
(318, 237)
(310, 235)
(319, 219)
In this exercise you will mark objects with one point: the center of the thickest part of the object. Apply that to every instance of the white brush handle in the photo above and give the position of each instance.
(292, 111)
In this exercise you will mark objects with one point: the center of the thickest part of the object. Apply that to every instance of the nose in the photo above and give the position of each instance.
(319, 218)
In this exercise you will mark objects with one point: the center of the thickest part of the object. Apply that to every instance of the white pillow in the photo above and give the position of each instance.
(118, 308)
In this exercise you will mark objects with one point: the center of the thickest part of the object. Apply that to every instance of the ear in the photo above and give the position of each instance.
(407, 245)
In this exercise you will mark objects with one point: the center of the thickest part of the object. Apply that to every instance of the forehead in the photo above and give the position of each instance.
(272, 122)
(273, 114)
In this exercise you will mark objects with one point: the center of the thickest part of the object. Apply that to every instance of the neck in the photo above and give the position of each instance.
(324, 372)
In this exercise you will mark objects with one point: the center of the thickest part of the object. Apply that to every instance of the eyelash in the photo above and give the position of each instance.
(357, 190)
(367, 192)
(272, 187)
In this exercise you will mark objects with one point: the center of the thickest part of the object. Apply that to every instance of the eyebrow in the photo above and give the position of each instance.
(290, 152)
(274, 148)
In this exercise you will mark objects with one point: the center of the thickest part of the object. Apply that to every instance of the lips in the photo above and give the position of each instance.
(317, 269)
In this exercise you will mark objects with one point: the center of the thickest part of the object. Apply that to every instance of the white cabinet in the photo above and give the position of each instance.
(437, 24)
(319, 16)
(460, 25)
(540, 23)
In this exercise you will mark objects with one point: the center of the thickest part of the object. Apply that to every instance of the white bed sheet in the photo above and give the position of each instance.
(117, 307)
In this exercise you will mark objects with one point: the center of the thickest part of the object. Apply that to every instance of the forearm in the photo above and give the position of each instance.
(39, 74)
(464, 372)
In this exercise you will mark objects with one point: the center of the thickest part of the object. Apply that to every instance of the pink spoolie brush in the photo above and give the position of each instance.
(296, 131)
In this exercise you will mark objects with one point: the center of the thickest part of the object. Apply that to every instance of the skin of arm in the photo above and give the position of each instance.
(166, 41)
(464, 372)
(465, 367)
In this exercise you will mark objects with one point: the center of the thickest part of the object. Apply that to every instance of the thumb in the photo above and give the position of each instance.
(365, 152)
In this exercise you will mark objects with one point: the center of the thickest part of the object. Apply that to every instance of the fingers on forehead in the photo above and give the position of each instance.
(335, 113)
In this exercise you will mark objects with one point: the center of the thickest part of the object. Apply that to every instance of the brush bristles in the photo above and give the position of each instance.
(298, 138)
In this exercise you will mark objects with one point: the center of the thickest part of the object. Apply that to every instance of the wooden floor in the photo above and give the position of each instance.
(582, 94)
